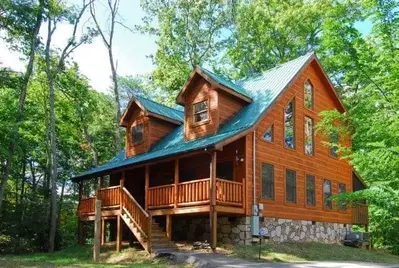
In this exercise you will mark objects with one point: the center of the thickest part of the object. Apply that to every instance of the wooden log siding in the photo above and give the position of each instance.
(87, 205)
(193, 192)
(360, 214)
(229, 192)
(161, 196)
(136, 213)
(110, 196)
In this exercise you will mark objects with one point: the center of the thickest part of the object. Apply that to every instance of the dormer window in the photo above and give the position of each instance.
(200, 112)
(137, 134)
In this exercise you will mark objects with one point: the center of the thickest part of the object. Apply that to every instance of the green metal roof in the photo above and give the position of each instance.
(263, 90)
(227, 83)
(160, 109)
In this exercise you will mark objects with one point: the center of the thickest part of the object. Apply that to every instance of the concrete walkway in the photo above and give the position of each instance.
(210, 260)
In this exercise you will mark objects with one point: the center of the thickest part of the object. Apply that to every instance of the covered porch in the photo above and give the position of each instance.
(206, 182)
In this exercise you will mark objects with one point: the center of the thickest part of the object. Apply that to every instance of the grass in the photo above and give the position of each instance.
(297, 252)
(82, 257)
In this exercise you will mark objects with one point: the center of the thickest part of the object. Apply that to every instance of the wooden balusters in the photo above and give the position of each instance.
(229, 192)
(193, 192)
(110, 196)
(161, 196)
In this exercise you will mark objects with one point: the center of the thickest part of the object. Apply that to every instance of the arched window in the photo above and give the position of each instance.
(308, 92)
(289, 125)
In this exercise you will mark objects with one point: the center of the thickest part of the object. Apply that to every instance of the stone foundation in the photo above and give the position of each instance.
(237, 230)
(284, 230)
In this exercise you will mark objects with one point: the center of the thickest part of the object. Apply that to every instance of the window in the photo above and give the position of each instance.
(268, 136)
(310, 190)
(342, 190)
(200, 111)
(267, 181)
(308, 92)
(290, 186)
(137, 134)
(327, 194)
(309, 136)
(334, 140)
(289, 125)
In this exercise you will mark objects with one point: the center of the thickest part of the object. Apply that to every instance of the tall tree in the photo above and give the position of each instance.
(57, 12)
(17, 21)
(190, 33)
(112, 6)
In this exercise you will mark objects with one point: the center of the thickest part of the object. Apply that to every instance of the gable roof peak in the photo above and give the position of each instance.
(155, 109)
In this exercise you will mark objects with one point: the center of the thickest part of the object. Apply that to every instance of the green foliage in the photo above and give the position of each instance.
(25, 220)
(365, 70)
(189, 33)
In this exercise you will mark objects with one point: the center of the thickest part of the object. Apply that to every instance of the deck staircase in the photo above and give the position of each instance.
(149, 233)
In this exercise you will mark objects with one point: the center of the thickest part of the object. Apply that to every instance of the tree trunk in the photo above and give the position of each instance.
(117, 99)
(53, 138)
(32, 171)
(53, 163)
(21, 103)
(21, 196)
(89, 140)
(60, 205)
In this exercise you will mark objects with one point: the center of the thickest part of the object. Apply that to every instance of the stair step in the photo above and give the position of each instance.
(159, 236)
(161, 242)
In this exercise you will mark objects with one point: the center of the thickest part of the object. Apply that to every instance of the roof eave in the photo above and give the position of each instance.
(213, 82)
(138, 164)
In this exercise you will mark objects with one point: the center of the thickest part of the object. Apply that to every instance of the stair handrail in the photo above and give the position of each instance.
(135, 202)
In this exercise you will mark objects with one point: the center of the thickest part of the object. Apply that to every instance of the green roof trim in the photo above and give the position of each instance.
(160, 109)
(223, 81)
(263, 89)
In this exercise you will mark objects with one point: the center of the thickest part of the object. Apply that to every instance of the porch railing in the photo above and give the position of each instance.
(110, 196)
(87, 205)
(190, 193)
(137, 214)
(193, 192)
(229, 192)
(360, 214)
(161, 196)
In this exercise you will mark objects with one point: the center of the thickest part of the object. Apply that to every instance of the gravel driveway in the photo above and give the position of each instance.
(210, 260)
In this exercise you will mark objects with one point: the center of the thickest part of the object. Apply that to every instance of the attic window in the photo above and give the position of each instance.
(137, 134)
(200, 111)
(268, 136)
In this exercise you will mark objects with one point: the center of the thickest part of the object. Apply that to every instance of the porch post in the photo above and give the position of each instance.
(102, 232)
(80, 223)
(212, 210)
(147, 185)
(119, 219)
(80, 232)
(101, 182)
(169, 226)
(80, 190)
(176, 198)
(97, 232)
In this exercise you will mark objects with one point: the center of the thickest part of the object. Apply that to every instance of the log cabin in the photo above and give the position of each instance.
(242, 156)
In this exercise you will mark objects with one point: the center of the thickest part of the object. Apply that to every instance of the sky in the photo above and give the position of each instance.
(130, 49)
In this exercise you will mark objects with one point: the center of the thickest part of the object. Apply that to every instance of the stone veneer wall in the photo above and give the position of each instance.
(283, 230)
(237, 230)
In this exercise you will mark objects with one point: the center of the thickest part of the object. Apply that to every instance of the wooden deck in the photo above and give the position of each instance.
(191, 197)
